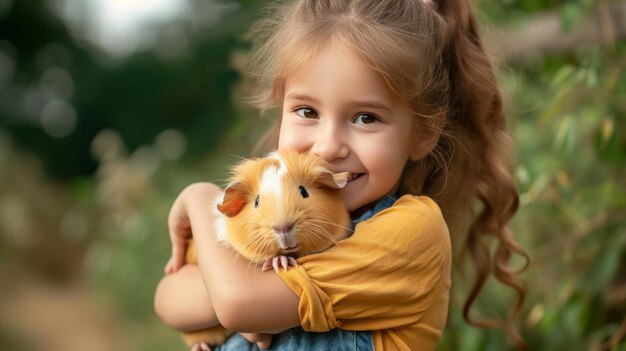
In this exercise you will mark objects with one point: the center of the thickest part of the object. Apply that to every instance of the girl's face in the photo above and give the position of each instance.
(341, 110)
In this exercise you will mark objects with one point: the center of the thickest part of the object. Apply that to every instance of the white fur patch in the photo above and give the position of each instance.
(221, 232)
(270, 181)
(274, 155)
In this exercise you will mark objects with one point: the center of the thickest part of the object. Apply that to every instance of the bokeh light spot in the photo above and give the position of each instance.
(58, 119)
(57, 83)
(171, 144)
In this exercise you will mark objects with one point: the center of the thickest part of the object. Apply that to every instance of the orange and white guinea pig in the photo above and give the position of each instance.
(277, 208)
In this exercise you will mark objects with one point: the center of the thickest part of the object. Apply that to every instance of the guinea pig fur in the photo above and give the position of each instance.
(284, 204)
(287, 203)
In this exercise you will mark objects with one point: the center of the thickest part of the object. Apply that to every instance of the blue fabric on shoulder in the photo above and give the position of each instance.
(382, 204)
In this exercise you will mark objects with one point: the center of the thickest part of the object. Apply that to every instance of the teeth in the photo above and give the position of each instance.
(352, 176)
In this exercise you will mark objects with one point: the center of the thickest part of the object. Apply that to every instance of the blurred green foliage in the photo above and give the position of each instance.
(139, 97)
(568, 113)
(92, 205)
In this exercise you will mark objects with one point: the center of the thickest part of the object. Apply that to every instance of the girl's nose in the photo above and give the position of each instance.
(330, 143)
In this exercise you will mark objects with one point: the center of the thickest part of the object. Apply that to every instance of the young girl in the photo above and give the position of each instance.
(400, 94)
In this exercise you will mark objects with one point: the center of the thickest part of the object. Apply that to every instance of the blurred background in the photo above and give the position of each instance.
(109, 108)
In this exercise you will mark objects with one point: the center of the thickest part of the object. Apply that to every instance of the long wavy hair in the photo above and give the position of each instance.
(430, 54)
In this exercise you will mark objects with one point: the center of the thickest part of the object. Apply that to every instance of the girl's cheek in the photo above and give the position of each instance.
(283, 134)
(291, 138)
(292, 142)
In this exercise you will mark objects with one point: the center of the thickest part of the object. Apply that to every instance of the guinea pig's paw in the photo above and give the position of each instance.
(279, 261)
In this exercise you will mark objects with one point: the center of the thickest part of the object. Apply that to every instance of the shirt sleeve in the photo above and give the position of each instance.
(386, 275)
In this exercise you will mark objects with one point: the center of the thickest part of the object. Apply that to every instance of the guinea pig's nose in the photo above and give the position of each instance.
(283, 229)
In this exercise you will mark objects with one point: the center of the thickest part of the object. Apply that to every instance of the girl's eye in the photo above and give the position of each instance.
(256, 202)
(303, 192)
(365, 118)
(306, 112)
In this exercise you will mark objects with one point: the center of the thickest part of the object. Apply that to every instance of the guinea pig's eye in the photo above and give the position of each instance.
(303, 191)
(256, 202)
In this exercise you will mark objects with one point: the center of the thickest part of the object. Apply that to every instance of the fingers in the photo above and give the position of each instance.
(263, 341)
(200, 347)
(169, 267)
(196, 196)
(264, 345)
(180, 232)
(179, 251)
(178, 222)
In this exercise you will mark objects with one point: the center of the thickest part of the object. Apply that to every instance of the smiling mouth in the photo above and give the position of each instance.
(354, 176)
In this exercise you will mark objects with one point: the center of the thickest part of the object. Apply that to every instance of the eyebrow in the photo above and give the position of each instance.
(364, 103)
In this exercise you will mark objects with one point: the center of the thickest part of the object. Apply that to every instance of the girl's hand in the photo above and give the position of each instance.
(180, 232)
(263, 341)
(241, 298)
(200, 347)
(179, 224)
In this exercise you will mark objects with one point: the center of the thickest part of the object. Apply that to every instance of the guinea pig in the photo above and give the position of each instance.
(275, 209)
(286, 204)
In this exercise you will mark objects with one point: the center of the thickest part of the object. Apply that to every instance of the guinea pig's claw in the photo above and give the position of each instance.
(275, 263)
(280, 261)
(284, 262)
(267, 265)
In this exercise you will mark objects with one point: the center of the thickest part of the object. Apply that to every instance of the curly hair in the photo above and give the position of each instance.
(430, 54)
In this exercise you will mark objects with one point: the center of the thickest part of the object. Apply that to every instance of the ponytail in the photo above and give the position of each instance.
(476, 139)
(430, 54)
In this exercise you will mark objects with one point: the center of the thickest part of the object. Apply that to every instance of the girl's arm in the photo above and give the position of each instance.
(244, 298)
(182, 302)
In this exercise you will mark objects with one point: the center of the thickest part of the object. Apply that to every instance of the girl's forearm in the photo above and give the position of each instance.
(182, 301)
(244, 298)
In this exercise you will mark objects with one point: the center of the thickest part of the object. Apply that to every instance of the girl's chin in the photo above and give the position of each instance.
(353, 193)
(350, 200)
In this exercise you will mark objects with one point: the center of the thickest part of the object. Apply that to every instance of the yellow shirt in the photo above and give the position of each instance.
(392, 276)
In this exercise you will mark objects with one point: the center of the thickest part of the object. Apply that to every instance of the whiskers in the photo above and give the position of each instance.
(317, 234)
(256, 246)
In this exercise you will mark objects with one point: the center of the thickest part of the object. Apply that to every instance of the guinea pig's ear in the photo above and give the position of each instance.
(234, 199)
(333, 180)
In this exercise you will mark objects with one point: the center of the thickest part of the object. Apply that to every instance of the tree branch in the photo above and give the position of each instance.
(543, 33)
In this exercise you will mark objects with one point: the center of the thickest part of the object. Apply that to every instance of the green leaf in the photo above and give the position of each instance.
(570, 13)
(602, 269)
(566, 135)
(573, 315)
(562, 75)
(592, 79)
